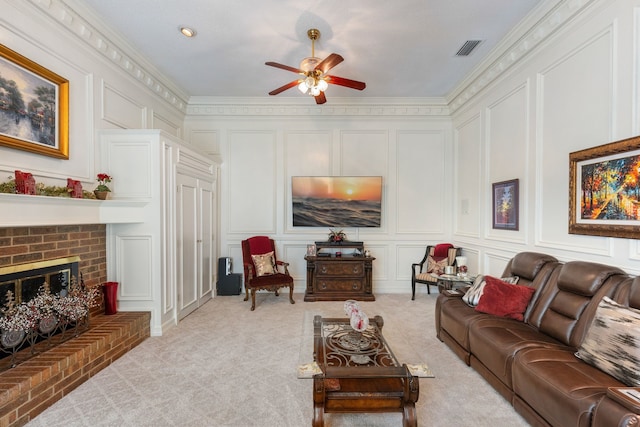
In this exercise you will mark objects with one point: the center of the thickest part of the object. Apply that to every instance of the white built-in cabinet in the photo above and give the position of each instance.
(165, 263)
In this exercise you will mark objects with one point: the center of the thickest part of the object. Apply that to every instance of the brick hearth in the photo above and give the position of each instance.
(34, 385)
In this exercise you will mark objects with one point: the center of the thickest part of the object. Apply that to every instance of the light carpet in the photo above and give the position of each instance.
(225, 365)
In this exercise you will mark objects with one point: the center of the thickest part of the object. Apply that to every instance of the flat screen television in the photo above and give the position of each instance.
(336, 201)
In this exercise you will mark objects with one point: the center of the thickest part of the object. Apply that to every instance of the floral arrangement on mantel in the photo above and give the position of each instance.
(103, 179)
(22, 323)
(10, 187)
(337, 236)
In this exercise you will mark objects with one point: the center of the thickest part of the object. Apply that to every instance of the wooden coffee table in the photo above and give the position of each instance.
(359, 373)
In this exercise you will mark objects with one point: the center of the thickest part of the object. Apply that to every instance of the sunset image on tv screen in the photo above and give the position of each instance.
(336, 201)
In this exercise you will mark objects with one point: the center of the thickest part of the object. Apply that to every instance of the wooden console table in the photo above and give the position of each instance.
(338, 278)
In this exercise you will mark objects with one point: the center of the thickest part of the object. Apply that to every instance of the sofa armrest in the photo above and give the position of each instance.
(620, 407)
(629, 397)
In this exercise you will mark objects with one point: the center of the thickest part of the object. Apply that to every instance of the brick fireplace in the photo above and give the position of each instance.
(32, 386)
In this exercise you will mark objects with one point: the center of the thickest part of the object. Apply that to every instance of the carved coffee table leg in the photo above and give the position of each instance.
(318, 401)
(409, 417)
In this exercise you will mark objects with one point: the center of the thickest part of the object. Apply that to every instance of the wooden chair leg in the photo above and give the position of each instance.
(253, 299)
(291, 294)
(246, 294)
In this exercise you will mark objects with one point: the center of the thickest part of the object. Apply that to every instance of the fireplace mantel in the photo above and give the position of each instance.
(19, 210)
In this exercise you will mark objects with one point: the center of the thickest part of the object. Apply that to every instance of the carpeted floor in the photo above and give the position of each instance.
(227, 366)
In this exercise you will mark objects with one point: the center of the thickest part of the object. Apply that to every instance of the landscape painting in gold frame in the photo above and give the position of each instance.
(34, 106)
(604, 190)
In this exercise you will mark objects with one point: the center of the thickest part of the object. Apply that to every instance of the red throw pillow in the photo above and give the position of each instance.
(503, 299)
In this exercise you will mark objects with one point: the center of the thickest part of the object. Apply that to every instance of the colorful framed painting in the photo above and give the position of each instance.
(604, 190)
(34, 106)
(505, 205)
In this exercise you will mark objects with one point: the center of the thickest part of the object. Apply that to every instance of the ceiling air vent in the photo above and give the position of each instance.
(468, 47)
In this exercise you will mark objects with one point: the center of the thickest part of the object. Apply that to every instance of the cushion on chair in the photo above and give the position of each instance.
(436, 264)
(265, 264)
(442, 250)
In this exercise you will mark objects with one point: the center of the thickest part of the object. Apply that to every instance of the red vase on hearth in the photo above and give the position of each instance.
(110, 291)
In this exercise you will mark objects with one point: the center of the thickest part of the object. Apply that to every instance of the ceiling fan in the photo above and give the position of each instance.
(314, 79)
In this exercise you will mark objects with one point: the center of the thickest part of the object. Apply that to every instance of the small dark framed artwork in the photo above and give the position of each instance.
(505, 205)
(34, 106)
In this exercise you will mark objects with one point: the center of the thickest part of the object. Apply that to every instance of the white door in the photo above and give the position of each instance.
(187, 244)
(206, 236)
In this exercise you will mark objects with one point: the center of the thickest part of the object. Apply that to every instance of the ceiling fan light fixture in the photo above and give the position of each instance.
(302, 87)
(309, 63)
(322, 85)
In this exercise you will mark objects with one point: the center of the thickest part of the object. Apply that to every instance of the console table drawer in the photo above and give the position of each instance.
(338, 285)
(350, 269)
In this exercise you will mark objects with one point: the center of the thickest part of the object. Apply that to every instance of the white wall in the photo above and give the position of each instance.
(264, 145)
(109, 86)
(578, 89)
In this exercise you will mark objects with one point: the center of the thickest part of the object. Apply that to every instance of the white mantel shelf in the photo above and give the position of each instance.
(19, 210)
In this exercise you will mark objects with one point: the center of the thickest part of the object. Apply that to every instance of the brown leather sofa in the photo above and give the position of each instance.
(532, 364)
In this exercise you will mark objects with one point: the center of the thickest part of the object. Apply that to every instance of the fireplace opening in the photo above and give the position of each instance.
(24, 280)
(40, 301)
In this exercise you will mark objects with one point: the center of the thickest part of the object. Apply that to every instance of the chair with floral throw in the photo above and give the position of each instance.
(261, 269)
(436, 257)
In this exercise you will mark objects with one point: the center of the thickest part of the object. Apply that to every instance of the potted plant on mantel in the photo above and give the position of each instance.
(102, 190)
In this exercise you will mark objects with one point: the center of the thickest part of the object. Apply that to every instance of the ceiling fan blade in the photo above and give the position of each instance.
(329, 62)
(341, 81)
(321, 99)
(284, 67)
(285, 87)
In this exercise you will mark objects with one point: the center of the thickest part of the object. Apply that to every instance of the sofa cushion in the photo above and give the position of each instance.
(612, 343)
(503, 299)
(473, 294)
(557, 385)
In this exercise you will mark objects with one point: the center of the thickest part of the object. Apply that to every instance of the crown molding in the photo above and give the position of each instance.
(537, 27)
(82, 22)
(304, 106)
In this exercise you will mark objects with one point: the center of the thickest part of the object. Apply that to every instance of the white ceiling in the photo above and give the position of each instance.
(402, 48)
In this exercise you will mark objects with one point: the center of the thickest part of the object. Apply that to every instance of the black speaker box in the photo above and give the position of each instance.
(231, 284)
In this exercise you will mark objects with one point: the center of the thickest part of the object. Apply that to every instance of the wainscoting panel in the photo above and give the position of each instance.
(163, 123)
(566, 103)
(252, 172)
(121, 110)
(468, 205)
(508, 156)
(423, 183)
(134, 267)
(132, 172)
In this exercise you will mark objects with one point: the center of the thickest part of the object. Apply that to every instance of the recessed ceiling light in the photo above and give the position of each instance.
(188, 32)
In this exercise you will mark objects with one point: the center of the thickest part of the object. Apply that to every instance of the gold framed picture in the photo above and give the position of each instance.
(34, 106)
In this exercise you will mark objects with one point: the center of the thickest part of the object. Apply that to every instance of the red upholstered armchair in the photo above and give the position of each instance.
(263, 270)
(434, 260)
